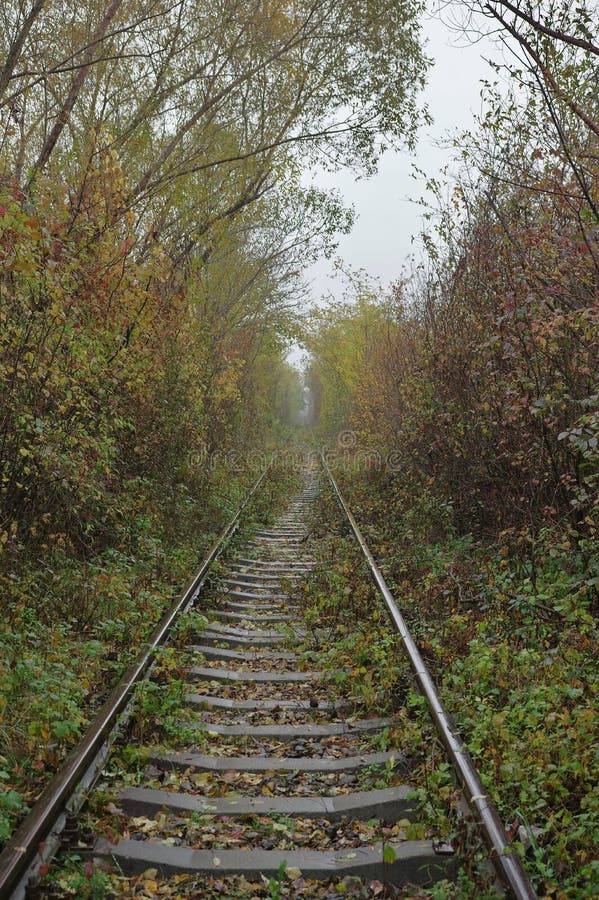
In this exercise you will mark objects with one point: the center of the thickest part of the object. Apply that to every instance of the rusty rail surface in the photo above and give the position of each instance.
(504, 856)
(20, 851)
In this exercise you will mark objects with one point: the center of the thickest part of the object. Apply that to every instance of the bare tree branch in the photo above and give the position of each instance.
(549, 78)
(76, 85)
(17, 46)
(550, 32)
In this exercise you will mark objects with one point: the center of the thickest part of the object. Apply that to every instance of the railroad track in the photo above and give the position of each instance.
(268, 773)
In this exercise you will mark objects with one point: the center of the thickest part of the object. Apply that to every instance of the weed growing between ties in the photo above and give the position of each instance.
(83, 880)
(508, 634)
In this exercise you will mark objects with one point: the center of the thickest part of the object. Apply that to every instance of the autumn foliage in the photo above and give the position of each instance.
(462, 410)
(479, 375)
(154, 227)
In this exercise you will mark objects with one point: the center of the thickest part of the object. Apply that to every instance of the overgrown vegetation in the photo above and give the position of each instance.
(153, 231)
(520, 682)
(60, 658)
(352, 637)
(466, 404)
(151, 247)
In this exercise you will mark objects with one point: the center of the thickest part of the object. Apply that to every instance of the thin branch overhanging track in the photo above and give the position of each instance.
(250, 688)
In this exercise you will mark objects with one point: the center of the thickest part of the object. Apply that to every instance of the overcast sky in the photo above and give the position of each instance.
(381, 239)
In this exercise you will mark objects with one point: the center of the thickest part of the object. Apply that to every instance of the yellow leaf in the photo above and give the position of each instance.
(293, 873)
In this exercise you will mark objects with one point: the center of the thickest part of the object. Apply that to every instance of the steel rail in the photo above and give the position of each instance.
(20, 851)
(503, 855)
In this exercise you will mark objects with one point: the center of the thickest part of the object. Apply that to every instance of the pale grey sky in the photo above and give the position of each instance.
(381, 239)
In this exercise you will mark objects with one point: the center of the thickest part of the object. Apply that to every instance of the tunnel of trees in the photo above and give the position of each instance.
(155, 228)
